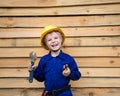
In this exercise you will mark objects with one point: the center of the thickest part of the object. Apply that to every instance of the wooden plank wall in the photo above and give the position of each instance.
(92, 29)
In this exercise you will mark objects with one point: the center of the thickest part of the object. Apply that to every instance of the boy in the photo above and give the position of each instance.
(56, 68)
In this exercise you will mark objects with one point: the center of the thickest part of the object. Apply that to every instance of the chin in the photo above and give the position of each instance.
(56, 49)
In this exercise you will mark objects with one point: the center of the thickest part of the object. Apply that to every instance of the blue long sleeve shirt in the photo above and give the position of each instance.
(50, 70)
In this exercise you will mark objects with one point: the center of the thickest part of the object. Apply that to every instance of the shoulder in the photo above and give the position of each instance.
(43, 60)
(68, 59)
(45, 57)
(66, 55)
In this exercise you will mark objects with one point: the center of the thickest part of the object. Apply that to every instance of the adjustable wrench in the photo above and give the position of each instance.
(33, 57)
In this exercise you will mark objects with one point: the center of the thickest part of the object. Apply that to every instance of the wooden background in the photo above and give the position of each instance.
(92, 29)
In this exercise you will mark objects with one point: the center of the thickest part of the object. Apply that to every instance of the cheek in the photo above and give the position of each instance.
(47, 43)
(60, 41)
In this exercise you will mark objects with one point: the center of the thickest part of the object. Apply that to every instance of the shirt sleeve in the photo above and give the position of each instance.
(39, 72)
(75, 73)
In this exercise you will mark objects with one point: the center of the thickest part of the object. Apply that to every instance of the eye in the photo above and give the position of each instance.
(56, 38)
(49, 39)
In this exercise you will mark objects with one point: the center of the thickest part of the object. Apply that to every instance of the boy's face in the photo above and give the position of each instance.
(53, 41)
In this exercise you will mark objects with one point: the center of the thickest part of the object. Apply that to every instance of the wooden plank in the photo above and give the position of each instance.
(74, 51)
(96, 82)
(96, 91)
(83, 82)
(65, 21)
(86, 72)
(71, 10)
(73, 41)
(98, 62)
(77, 31)
(92, 41)
(75, 91)
(48, 3)
(21, 92)
(23, 83)
(81, 62)
(15, 62)
(100, 72)
(14, 72)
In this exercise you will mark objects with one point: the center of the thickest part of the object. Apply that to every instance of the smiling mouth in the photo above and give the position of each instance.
(55, 45)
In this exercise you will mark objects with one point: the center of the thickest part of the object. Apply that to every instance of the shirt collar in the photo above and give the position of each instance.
(61, 55)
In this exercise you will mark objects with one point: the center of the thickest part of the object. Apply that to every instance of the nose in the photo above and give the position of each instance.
(53, 40)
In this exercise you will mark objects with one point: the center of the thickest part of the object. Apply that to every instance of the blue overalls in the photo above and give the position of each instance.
(50, 70)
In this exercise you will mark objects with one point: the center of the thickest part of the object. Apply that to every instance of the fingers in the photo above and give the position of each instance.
(31, 68)
(66, 71)
(65, 67)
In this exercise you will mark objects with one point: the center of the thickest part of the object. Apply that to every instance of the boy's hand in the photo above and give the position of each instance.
(31, 68)
(66, 70)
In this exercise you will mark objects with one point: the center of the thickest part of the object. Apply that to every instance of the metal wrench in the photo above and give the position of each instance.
(33, 57)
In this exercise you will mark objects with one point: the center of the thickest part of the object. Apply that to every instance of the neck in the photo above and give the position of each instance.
(55, 53)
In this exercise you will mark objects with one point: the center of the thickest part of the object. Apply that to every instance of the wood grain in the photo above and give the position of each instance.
(86, 62)
(71, 41)
(76, 92)
(54, 11)
(86, 72)
(83, 82)
(69, 32)
(73, 51)
(50, 3)
(65, 21)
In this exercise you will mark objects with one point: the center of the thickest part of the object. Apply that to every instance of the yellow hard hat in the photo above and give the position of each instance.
(49, 29)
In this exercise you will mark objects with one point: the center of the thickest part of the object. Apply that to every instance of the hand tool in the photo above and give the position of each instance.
(33, 57)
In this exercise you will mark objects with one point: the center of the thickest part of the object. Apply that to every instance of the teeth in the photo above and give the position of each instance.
(54, 45)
